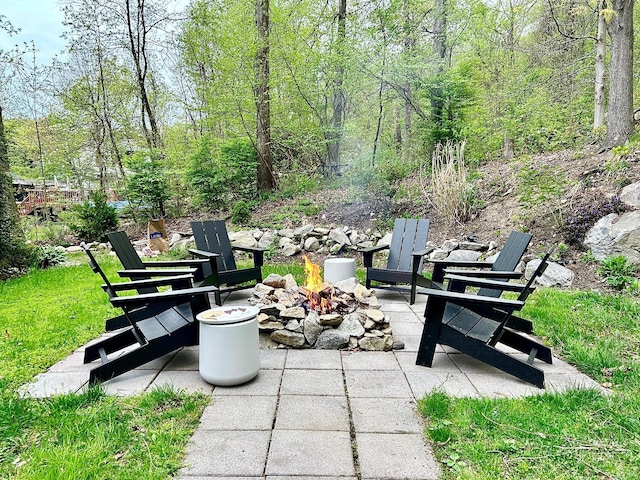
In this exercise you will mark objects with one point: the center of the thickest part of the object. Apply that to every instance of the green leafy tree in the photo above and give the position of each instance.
(223, 175)
(147, 185)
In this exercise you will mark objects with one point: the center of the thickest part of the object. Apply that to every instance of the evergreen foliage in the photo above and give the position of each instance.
(95, 218)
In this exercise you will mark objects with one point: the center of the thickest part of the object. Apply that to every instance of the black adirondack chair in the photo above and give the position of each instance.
(159, 323)
(451, 319)
(136, 268)
(212, 242)
(502, 270)
(406, 252)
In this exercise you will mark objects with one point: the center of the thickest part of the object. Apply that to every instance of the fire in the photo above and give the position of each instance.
(314, 286)
(314, 279)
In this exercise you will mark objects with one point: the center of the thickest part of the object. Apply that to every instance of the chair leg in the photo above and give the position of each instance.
(430, 332)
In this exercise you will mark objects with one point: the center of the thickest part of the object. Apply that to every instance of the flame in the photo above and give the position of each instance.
(314, 279)
(314, 285)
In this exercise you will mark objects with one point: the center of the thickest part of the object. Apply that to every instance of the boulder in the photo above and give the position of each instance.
(616, 235)
(554, 275)
(243, 239)
(631, 195)
(464, 256)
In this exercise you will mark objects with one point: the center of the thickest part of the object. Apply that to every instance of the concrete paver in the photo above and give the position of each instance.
(318, 414)
(310, 452)
(396, 456)
(231, 453)
(240, 412)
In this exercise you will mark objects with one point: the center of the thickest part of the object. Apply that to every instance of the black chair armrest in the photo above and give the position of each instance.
(194, 263)
(367, 254)
(494, 274)
(440, 265)
(203, 253)
(466, 299)
(146, 298)
(145, 273)
(257, 252)
(458, 283)
(178, 281)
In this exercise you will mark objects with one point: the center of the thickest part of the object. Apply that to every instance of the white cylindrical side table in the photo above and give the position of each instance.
(229, 345)
(337, 269)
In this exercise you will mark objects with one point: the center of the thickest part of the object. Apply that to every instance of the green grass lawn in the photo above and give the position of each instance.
(45, 315)
(580, 434)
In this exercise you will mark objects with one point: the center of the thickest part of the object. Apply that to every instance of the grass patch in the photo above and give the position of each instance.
(94, 436)
(580, 434)
(44, 316)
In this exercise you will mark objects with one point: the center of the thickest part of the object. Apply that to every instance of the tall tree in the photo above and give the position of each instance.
(335, 132)
(620, 112)
(266, 180)
(12, 243)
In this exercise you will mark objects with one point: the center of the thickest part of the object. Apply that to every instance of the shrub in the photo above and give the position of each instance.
(453, 194)
(222, 175)
(95, 218)
(617, 272)
(577, 224)
(240, 212)
(45, 256)
(147, 187)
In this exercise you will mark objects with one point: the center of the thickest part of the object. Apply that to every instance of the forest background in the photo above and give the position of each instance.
(228, 102)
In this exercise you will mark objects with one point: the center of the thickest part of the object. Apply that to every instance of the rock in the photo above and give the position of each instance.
(311, 244)
(339, 237)
(293, 313)
(438, 254)
(362, 293)
(376, 343)
(464, 256)
(290, 250)
(294, 326)
(270, 326)
(183, 244)
(554, 275)
(260, 290)
(311, 328)
(242, 239)
(374, 314)
(352, 326)
(290, 282)
(347, 285)
(267, 239)
(287, 337)
(397, 345)
(73, 249)
(286, 232)
(330, 320)
(616, 235)
(386, 240)
(284, 241)
(332, 340)
(303, 231)
(335, 248)
(631, 195)
(175, 238)
(274, 280)
(474, 246)
(450, 245)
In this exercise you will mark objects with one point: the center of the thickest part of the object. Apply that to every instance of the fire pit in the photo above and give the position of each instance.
(321, 315)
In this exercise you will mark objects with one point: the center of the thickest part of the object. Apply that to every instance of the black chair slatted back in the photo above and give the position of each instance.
(409, 235)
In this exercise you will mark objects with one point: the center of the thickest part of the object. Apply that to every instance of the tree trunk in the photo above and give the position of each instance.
(137, 35)
(440, 52)
(262, 97)
(11, 236)
(601, 46)
(334, 136)
(620, 115)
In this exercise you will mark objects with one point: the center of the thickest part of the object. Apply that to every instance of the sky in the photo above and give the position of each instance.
(38, 20)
